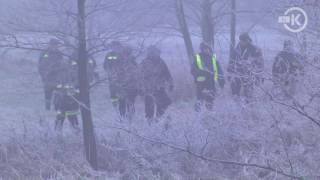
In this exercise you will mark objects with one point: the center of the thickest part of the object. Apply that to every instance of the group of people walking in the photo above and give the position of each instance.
(152, 78)
(127, 80)
(60, 82)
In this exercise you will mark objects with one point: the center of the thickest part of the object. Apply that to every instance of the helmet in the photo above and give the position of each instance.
(204, 46)
(244, 37)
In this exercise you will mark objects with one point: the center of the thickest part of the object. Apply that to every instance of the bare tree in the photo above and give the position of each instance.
(207, 26)
(88, 130)
(232, 27)
(184, 29)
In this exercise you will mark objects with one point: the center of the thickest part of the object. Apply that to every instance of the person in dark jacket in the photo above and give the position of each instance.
(113, 65)
(156, 80)
(49, 67)
(207, 72)
(122, 70)
(286, 69)
(245, 67)
(91, 66)
(66, 98)
(128, 84)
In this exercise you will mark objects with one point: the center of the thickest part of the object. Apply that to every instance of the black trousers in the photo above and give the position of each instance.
(123, 99)
(156, 103)
(206, 93)
(61, 116)
(127, 103)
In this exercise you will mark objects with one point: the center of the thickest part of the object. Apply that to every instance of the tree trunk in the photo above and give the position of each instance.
(232, 28)
(184, 30)
(88, 130)
(206, 23)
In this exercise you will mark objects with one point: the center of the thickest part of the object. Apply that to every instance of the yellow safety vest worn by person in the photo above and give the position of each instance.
(200, 65)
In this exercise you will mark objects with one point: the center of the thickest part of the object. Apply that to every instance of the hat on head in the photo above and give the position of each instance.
(204, 45)
(245, 37)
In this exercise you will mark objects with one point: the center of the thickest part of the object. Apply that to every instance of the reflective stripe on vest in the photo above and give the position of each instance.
(215, 67)
(71, 113)
(114, 99)
(201, 78)
(214, 64)
(199, 62)
(112, 57)
(68, 113)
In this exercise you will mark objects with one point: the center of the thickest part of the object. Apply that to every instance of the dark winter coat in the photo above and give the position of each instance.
(246, 61)
(113, 65)
(50, 67)
(66, 92)
(286, 65)
(66, 97)
(122, 73)
(155, 75)
(73, 64)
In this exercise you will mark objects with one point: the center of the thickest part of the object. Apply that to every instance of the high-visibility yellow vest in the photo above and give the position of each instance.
(200, 66)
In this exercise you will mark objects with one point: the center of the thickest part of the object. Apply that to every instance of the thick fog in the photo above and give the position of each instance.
(159, 89)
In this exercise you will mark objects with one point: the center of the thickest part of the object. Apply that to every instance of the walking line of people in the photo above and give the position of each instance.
(153, 80)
